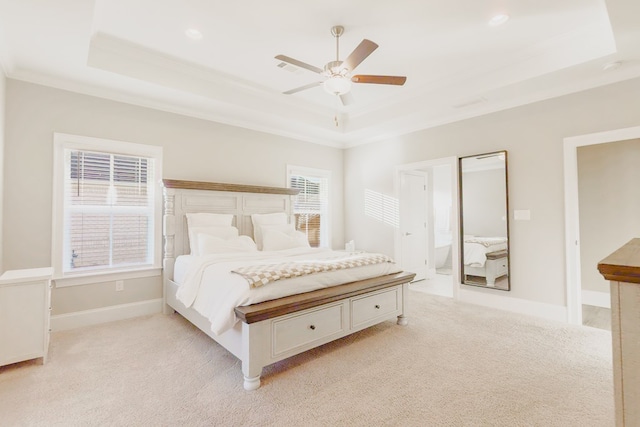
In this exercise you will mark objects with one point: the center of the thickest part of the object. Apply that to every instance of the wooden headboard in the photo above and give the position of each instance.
(181, 197)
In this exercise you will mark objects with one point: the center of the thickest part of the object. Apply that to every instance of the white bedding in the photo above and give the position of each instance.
(477, 248)
(207, 284)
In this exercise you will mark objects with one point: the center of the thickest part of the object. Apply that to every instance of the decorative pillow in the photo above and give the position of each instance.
(208, 244)
(261, 220)
(206, 219)
(223, 232)
(277, 238)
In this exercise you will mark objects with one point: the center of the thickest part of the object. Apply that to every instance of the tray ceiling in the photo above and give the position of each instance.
(457, 65)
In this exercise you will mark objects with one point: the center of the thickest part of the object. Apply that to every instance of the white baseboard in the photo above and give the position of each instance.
(595, 298)
(63, 322)
(516, 305)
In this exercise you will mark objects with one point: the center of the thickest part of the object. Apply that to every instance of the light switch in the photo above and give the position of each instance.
(522, 215)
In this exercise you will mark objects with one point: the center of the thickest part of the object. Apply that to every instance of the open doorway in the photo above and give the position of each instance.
(439, 201)
(575, 245)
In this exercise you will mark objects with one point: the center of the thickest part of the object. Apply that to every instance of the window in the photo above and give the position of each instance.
(311, 205)
(107, 206)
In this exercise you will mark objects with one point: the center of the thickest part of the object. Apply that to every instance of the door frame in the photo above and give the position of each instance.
(572, 211)
(455, 225)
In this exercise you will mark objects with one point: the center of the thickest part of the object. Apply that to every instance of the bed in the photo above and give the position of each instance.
(258, 332)
(485, 257)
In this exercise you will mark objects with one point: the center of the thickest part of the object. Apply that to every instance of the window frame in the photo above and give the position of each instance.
(62, 142)
(325, 232)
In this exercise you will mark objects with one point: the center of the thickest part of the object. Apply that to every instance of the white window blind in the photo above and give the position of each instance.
(311, 205)
(108, 211)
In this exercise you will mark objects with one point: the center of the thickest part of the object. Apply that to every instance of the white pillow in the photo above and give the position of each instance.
(277, 238)
(223, 232)
(208, 244)
(206, 219)
(261, 220)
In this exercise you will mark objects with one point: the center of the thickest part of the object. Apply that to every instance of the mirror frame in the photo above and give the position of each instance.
(461, 220)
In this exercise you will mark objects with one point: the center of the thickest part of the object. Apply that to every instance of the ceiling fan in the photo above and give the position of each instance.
(337, 73)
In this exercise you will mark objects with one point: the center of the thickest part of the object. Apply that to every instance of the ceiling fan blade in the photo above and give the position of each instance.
(347, 99)
(301, 88)
(299, 63)
(359, 54)
(380, 80)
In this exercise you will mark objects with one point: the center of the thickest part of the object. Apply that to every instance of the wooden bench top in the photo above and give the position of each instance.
(624, 264)
(291, 304)
(497, 254)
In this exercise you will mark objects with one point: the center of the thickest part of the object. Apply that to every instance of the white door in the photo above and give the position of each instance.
(413, 223)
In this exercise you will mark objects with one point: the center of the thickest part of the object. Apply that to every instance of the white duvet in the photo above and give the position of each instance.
(477, 248)
(209, 286)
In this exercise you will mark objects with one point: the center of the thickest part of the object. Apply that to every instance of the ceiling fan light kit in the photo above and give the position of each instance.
(337, 73)
(337, 85)
(337, 82)
(498, 19)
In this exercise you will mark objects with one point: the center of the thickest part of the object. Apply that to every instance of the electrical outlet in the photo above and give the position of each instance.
(119, 285)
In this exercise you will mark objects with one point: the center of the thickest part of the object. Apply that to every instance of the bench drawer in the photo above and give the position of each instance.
(301, 331)
(369, 308)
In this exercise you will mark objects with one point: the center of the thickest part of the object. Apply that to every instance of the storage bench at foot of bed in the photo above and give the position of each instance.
(275, 330)
(495, 267)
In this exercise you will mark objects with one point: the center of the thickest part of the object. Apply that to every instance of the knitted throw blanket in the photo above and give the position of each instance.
(259, 275)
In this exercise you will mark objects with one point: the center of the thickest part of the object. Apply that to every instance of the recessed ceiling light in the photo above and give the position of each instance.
(611, 66)
(498, 20)
(193, 34)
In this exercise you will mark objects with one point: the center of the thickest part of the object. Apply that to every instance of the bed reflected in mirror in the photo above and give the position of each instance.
(484, 220)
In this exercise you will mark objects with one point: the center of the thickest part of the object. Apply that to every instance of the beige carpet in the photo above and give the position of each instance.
(455, 364)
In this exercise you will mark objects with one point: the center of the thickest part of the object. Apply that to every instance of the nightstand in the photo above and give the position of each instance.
(25, 304)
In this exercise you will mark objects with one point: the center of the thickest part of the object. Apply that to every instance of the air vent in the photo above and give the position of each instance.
(290, 68)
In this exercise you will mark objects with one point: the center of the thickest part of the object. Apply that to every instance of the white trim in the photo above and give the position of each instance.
(455, 224)
(572, 211)
(6, 60)
(78, 319)
(62, 141)
(596, 298)
(90, 143)
(515, 305)
(572, 233)
(87, 279)
(616, 135)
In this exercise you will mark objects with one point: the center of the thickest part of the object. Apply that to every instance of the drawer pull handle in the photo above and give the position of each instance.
(312, 327)
(377, 306)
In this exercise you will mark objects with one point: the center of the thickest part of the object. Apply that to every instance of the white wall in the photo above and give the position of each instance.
(533, 136)
(2, 132)
(194, 149)
(609, 200)
(442, 194)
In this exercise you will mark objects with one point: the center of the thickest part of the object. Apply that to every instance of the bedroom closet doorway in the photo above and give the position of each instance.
(580, 247)
(427, 195)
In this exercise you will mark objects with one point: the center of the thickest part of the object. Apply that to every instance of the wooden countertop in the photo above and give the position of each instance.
(624, 264)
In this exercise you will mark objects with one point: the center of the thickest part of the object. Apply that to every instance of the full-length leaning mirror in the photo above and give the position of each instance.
(484, 220)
